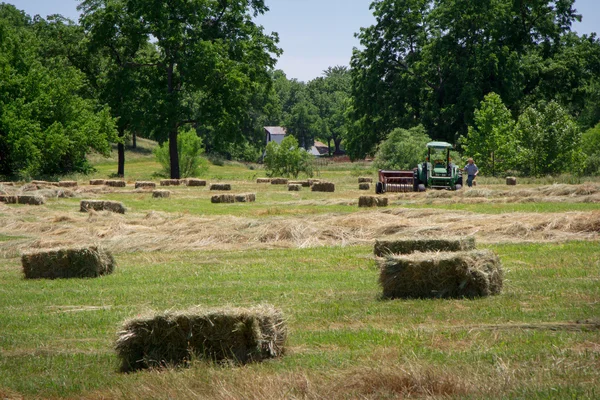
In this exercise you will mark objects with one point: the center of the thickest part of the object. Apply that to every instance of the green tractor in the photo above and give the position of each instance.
(437, 172)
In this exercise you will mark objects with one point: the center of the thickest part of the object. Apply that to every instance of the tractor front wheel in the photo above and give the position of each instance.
(421, 187)
(379, 188)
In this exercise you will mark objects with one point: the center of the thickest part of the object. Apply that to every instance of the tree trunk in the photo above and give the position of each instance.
(173, 154)
(329, 146)
(121, 153)
(337, 142)
(134, 139)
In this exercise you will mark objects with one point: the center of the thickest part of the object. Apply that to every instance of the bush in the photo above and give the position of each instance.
(189, 148)
(403, 149)
(590, 145)
(287, 159)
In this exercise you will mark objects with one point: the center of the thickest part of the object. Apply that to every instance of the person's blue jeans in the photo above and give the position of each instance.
(470, 180)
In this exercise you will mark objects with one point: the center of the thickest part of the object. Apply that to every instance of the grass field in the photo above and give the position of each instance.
(309, 254)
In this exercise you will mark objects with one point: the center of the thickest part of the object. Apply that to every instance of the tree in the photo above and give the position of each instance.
(403, 149)
(549, 141)
(492, 140)
(211, 58)
(431, 63)
(46, 126)
(287, 159)
(190, 148)
(590, 145)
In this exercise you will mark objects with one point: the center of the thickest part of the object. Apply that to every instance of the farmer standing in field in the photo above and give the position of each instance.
(472, 171)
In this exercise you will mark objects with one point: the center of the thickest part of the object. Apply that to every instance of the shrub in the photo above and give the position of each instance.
(189, 148)
(287, 159)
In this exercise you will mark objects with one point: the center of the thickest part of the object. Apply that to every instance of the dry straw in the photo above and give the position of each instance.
(170, 182)
(292, 187)
(372, 201)
(195, 182)
(102, 205)
(176, 338)
(145, 185)
(407, 246)
(245, 198)
(87, 262)
(116, 183)
(279, 181)
(475, 273)
(97, 182)
(222, 198)
(323, 187)
(220, 186)
(364, 186)
(161, 194)
(365, 180)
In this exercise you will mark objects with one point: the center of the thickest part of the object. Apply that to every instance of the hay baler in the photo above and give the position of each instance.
(437, 172)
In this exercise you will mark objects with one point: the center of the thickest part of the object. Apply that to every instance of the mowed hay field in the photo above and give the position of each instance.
(310, 254)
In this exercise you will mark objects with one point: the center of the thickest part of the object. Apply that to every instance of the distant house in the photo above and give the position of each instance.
(274, 134)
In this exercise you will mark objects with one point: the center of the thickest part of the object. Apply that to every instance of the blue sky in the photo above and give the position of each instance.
(314, 34)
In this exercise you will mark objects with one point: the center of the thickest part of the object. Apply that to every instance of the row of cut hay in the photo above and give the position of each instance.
(233, 198)
(102, 205)
(323, 187)
(407, 246)
(176, 338)
(372, 201)
(23, 199)
(468, 274)
(68, 263)
(220, 186)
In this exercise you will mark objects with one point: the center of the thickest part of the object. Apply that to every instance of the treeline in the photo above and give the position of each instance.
(508, 82)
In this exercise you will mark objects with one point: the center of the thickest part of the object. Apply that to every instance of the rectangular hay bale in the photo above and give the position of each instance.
(364, 186)
(8, 199)
(145, 185)
(102, 205)
(294, 187)
(97, 182)
(220, 186)
(365, 180)
(407, 246)
(67, 184)
(222, 198)
(32, 200)
(263, 180)
(195, 182)
(323, 187)
(372, 201)
(245, 198)
(175, 338)
(116, 183)
(87, 262)
(170, 182)
(279, 181)
(470, 274)
(161, 194)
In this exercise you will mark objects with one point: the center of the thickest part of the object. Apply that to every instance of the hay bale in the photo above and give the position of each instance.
(511, 180)
(195, 182)
(220, 186)
(263, 180)
(294, 187)
(32, 200)
(7, 183)
(372, 201)
(102, 205)
(470, 274)
(407, 246)
(245, 198)
(170, 182)
(161, 194)
(301, 183)
(323, 187)
(364, 186)
(279, 181)
(222, 198)
(175, 338)
(365, 180)
(145, 185)
(312, 181)
(116, 183)
(8, 199)
(67, 184)
(97, 182)
(44, 183)
(87, 262)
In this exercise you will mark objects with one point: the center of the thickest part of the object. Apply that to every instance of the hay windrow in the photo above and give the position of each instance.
(323, 187)
(102, 205)
(475, 273)
(68, 263)
(220, 186)
(407, 246)
(176, 338)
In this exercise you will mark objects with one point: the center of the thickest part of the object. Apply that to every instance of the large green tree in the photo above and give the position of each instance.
(432, 62)
(48, 122)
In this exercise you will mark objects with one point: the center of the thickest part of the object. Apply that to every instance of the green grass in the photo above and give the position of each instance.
(502, 208)
(57, 335)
